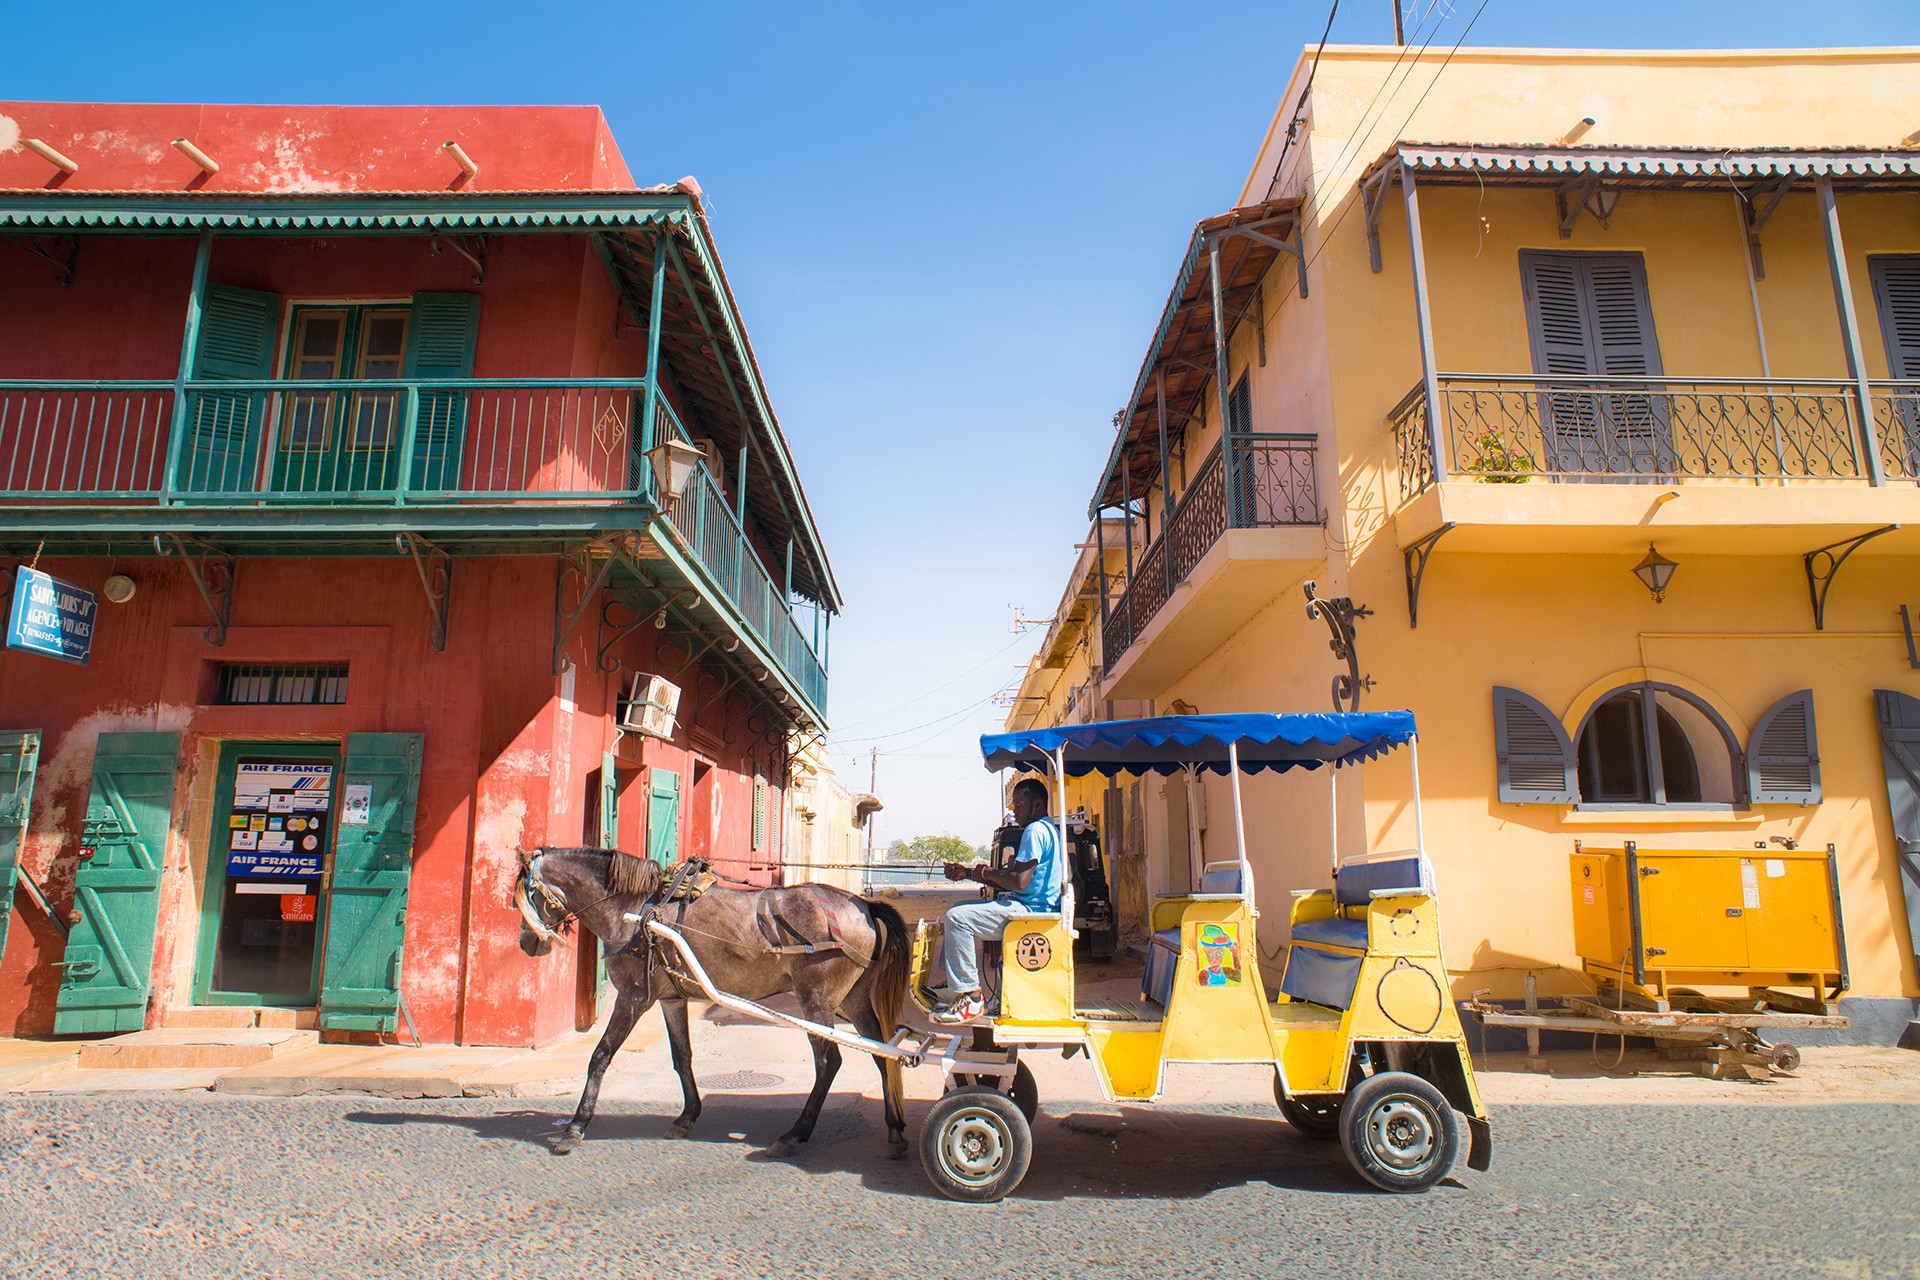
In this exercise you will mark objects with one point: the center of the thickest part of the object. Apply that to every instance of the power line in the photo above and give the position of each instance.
(1293, 121)
(936, 689)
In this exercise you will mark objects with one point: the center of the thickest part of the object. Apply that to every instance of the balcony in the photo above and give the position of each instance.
(509, 465)
(1217, 562)
(1563, 463)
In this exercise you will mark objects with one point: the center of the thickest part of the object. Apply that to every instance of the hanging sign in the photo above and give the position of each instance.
(50, 617)
(278, 827)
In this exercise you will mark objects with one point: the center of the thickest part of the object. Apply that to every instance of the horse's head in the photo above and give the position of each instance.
(544, 916)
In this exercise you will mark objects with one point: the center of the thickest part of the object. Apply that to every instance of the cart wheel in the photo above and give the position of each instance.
(1783, 1057)
(975, 1145)
(1317, 1116)
(1398, 1132)
(1024, 1092)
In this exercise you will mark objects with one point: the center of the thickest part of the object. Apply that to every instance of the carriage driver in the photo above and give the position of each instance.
(1031, 882)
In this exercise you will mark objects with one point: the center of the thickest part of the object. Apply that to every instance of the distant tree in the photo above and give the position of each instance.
(934, 849)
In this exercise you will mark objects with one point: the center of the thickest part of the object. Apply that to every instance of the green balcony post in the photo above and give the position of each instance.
(409, 440)
(1227, 458)
(189, 341)
(740, 516)
(652, 409)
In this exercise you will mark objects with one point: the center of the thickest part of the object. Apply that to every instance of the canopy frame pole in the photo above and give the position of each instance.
(1065, 852)
(1196, 857)
(1240, 824)
(1333, 813)
(1419, 823)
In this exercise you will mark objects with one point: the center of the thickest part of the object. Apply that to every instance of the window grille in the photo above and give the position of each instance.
(252, 684)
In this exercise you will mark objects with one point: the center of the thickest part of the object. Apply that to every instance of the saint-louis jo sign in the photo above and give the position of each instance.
(51, 617)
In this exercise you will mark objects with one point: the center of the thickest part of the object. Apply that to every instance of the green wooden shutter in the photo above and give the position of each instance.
(440, 344)
(19, 756)
(108, 966)
(609, 801)
(663, 816)
(1896, 295)
(367, 904)
(1899, 715)
(237, 332)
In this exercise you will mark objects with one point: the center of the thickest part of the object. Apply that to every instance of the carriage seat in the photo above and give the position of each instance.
(1323, 962)
(1163, 952)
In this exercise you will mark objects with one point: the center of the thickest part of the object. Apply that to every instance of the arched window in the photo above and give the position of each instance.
(1654, 744)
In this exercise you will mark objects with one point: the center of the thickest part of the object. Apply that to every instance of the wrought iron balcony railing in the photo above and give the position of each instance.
(1515, 429)
(1275, 486)
(414, 444)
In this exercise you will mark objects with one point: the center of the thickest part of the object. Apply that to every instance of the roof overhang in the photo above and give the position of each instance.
(401, 211)
(1667, 168)
(1180, 361)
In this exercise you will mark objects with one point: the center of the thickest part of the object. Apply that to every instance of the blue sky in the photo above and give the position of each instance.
(950, 229)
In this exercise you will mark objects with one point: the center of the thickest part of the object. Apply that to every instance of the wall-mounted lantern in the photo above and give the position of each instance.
(673, 463)
(1656, 571)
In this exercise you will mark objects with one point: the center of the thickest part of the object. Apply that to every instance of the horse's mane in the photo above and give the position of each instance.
(624, 873)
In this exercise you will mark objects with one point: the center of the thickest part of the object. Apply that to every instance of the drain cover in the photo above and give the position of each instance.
(741, 1080)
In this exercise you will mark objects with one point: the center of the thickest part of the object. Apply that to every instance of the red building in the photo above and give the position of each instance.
(361, 438)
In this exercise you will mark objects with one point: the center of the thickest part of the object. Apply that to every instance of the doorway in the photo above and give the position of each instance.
(269, 857)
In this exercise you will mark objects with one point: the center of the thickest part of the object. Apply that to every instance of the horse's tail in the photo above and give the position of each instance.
(889, 992)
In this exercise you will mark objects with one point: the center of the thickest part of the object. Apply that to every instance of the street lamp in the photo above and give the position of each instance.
(1656, 571)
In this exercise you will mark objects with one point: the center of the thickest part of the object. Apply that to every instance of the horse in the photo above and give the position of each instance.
(836, 952)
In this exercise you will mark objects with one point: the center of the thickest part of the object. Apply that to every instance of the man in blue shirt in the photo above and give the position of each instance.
(1031, 882)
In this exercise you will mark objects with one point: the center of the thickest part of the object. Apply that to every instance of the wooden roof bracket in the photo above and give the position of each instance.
(566, 621)
(1373, 195)
(1756, 217)
(212, 572)
(436, 577)
(1823, 565)
(1571, 198)
(1256, 231)
(45, 247)
(476, 254)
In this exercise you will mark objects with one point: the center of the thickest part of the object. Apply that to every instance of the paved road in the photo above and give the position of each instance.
(206, 1185)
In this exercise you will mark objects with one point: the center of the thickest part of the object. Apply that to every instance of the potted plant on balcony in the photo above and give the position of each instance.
(1498, 461)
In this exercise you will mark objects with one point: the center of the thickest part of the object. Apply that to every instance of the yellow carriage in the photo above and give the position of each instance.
(1364, 1041)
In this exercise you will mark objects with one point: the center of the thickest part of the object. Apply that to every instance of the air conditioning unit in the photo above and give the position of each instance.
(651, 707)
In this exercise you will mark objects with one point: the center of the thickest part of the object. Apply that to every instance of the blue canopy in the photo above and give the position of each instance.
(1165, 744)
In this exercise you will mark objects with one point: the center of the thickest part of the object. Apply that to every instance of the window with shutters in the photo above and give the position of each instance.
(1590, 325)
(1896, 296)
(1652, 745)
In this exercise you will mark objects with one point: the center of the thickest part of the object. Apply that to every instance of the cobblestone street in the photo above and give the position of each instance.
(206, 1185)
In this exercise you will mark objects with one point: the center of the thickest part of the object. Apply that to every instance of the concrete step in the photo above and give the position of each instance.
(240, 1016)
(194, 1048)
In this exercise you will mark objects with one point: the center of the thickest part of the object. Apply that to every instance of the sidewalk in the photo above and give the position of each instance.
(735, 1055)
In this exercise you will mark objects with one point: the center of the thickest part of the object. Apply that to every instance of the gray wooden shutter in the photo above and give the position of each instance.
(1589, 314)
(237, 332)
(1621, 314)
(1535, 755)
(1896, 295)
(1783, 756)
(1900, 748)
(1554, 288)
(440, 343)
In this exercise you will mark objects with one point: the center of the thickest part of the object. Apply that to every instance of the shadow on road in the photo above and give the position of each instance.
(1118, 1154)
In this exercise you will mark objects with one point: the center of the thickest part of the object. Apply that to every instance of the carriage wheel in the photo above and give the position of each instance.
(1024, 1092)
(1317, 1115)
(975, 1145)
(1398, 1132)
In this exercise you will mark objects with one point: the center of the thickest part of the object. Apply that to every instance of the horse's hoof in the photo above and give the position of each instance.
(896, 1148)
(566, 1142)
(679, 1130)
(781, 1149)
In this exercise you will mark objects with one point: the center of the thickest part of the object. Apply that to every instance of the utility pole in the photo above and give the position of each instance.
(1399, 31)
(873, 789)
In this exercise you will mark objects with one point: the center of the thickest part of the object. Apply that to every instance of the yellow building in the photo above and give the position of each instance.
(1485, 332)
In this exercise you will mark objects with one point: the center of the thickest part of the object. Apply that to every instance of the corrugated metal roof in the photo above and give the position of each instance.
(317, 211)
(1653, 165)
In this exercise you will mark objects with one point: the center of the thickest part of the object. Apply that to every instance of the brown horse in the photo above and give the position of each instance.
(749, 942)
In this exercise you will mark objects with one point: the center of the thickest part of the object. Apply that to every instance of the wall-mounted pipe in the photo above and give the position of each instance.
(195, 154)
(48, 154)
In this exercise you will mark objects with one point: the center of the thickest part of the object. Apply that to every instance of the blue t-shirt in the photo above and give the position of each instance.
(1040, 844)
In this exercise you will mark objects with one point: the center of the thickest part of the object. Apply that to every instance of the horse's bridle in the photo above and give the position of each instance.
(530, 879)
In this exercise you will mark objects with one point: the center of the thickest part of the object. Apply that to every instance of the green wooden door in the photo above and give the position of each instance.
(342, 441)
(440, 345)
(19, 755)
(372, 864)
(609, 839)
(663, 816)
(237, 332)
(116, 894)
